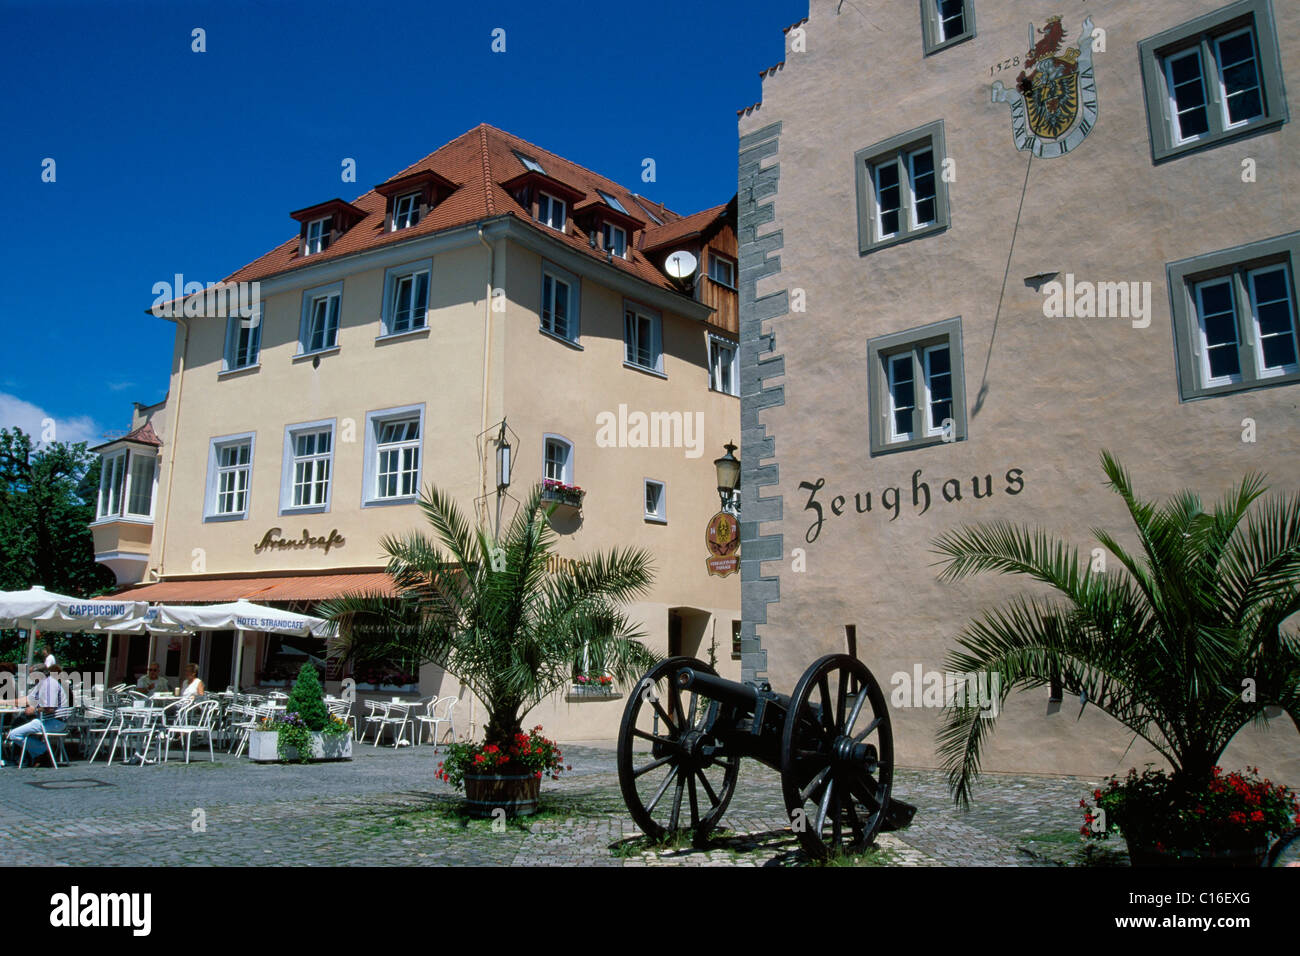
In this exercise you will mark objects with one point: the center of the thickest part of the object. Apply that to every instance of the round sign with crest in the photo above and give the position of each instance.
(723, 541)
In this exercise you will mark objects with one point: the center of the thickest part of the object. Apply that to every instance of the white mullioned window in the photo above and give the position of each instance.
(905, 193)
(397, 467)
(406, 211)
(551, 211)
(1216, 312)
(951, 17)
(902, 396)
(313, 455)
(318, 235)
(1272, 304)
(234, 469)
(244, 340)
(938, 387)
(1188, 106)
(1239, 82)
(557, 463)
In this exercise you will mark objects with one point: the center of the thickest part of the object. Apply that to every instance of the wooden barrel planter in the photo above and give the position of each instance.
(515, 792)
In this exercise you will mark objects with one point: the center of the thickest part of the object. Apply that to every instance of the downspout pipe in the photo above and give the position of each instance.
(174, 433)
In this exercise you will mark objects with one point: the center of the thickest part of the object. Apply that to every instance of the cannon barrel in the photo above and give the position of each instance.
(741, 696)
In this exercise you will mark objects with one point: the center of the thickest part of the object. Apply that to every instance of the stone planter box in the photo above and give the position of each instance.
(263, 747)
(592, 692)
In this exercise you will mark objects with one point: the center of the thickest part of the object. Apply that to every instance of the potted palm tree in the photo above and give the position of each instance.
(1183, 644)
(507, 623)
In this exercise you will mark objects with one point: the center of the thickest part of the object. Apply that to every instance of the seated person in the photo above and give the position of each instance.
(192, 686)
(43, 704)
(150, 682)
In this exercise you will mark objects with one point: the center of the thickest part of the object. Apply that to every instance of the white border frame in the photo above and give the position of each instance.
(210, 492)
(288, 460)
(370, 464)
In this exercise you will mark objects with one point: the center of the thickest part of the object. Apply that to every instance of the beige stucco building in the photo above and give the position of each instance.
(491, 282)
(952, 300)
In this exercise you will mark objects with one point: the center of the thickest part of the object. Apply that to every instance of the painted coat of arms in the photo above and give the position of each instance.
(1054, 103)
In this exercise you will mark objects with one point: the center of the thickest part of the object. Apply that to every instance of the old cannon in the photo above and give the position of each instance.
(685, 730)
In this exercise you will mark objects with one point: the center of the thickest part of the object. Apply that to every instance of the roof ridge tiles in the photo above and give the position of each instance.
(487, 169)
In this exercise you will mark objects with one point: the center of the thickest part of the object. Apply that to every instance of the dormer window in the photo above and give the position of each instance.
(614, 239)
(318, 236)
(611, 202)
(324, 222)
(551, 211)
(530, 164)
(406, 211)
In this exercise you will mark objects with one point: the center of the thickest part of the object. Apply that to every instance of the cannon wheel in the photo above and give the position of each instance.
(683, 781)
(837, 757)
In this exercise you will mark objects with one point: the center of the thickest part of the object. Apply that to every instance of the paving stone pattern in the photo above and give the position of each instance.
(385, 808)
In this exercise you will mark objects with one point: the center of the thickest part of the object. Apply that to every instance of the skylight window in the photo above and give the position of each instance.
(653, 218)
(611, 201)
(530, 164)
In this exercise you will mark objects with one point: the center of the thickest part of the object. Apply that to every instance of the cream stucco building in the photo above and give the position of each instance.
(492, 281)
(953, 299)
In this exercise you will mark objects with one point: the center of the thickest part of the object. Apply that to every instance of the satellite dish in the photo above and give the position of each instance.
(680, 264)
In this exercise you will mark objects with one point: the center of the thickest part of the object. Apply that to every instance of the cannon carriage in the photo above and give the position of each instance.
(685, 731)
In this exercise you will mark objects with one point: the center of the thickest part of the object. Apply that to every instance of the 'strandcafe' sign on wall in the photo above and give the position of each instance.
(271, 541)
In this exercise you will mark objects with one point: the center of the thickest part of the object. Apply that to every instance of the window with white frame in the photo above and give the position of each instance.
(551, 211)
(320, 321)
(615, 239)
(557, 462)
(945, 22)
(722, 270)
(406, 211)
(309, 465)
(1213, 78)
(112, 485)
(656, 501)
(393, 457)
(406, 300)
(722, 366)
(916, 387)
(900, 194)
(559, 313)
(1235, 318)
(318, 236)
(140, 485)
(230, 472)
(642, 339)
(126, 485)
(243, 340)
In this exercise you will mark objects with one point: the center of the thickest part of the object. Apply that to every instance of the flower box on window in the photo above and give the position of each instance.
(600, 687)
(557, 492)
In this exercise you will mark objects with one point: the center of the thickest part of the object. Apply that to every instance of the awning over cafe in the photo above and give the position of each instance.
(308, 587)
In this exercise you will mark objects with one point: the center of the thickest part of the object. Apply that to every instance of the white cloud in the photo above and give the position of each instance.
(34, 420)
(120, 386)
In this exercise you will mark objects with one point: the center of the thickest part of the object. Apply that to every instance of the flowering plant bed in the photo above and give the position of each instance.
(1235, 815)
(529, 752)
(306, 730)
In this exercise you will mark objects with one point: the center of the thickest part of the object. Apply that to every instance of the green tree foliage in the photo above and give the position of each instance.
(307, 699)
(47, 501)
(1183, 643)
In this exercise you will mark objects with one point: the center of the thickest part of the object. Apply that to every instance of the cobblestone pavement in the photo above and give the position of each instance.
(384, 807)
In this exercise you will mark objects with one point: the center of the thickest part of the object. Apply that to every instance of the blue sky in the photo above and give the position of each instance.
(169, 161)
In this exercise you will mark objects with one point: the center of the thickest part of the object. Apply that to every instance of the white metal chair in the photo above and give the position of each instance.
(376, 711)
(51, 737)
(194, 720)
(139, 722)
(104, 721)
(433, 719)
(397, 715)
(338, 707)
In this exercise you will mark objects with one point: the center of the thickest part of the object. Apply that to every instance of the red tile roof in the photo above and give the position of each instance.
(659, 236)
(480, 160)
(144, 435)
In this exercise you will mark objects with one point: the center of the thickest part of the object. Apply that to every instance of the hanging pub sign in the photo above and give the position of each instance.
(1054, 102)
(723, 541)
(272, 541)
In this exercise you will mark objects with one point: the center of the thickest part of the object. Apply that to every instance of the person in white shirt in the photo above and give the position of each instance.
(43, 705)
(192, 686)
(49, 657)
(151, 682)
